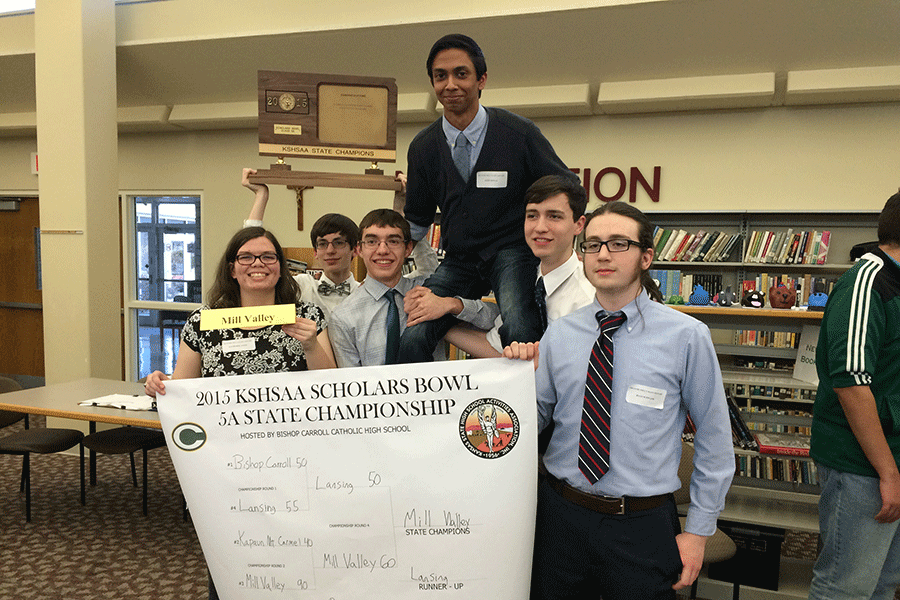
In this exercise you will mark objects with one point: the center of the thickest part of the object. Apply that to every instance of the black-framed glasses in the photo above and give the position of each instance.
(615, 245)
(393, 243)
(338, 244)
(248, 259)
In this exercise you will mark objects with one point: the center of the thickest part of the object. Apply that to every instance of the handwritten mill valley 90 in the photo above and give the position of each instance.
(288, 404)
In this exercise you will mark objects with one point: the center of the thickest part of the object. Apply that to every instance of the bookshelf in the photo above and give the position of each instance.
(740, 263)
(769, 492)
(760, 377)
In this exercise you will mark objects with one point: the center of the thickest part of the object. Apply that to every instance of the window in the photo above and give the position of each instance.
(163, 278)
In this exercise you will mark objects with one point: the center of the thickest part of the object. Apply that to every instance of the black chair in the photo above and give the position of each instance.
(122, 440)
(42, 440)
(7, 417)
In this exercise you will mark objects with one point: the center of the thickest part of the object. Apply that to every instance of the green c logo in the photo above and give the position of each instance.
(189, 436)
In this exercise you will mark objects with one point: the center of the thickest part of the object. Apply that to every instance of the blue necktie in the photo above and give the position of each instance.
(461, 156)
(594, 444)
(393, 328)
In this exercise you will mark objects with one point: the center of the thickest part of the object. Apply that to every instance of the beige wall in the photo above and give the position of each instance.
(781, 159)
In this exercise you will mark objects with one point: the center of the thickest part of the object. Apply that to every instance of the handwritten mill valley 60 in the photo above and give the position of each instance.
(291, 404)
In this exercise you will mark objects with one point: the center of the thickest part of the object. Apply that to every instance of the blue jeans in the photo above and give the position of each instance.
(860, 557)
(510, 273)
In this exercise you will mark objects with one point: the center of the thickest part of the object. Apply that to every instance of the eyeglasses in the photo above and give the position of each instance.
(616, 245)
(249, 259)
(338, 244)
(393, 243)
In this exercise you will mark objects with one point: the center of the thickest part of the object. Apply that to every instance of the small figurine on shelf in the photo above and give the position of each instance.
(754, 299)
(817, 301)
(675, 299)
(699, 297)
(726, 297)
(782, 297)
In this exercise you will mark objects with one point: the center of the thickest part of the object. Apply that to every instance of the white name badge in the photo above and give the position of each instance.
(491, 179)
(646, 396)
(241, 345)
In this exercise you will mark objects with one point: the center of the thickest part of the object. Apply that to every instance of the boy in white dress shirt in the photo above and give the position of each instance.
(554, 216)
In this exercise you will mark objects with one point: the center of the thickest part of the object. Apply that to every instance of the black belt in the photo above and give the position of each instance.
(608, 505)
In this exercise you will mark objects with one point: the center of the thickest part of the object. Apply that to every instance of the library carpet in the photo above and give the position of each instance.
(107, 550)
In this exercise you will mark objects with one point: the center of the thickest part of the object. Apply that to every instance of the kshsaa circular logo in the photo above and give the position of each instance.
(489, 428)
(189, 436)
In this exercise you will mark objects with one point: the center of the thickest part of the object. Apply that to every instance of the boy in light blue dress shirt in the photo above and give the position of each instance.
(620, 537)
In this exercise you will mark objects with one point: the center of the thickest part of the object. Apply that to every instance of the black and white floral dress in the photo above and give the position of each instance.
(266, 350)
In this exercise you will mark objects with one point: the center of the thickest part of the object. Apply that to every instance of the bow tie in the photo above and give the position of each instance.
(326, 289)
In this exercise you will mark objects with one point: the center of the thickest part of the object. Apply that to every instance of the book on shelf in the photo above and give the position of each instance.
(739, 428)
(706, 245)
(774, 246)
(724, 250)
(782, 255)
(787, 247)
(689, 428)
(823, 248)
(764, 246)
(775, 468)
(677, 242)
(792, 251)
(752, 242)
(678, 246)
(435, 235)
(683, 248)
(657, 235)
(691, 252)
(712, 254)
(674, 283)
(661, 277)
(661, 242)
(785, 444)
(813, 257)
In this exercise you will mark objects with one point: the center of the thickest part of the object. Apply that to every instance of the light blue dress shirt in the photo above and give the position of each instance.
(663, 364)
(358, 326)
(474, 132)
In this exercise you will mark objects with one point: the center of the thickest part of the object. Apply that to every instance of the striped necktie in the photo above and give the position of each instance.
(594, 444)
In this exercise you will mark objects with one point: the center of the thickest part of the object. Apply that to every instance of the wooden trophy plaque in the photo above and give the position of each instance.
(341, 117)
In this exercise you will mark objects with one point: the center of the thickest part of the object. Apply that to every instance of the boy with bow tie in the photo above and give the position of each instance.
(334, 238)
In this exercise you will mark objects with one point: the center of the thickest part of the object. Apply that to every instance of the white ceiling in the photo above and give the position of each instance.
(611, 43)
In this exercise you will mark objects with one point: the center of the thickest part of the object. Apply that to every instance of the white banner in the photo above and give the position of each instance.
(374, 482)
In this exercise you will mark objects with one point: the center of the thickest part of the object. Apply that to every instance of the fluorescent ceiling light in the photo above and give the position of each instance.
(15, 6)
(688, 93)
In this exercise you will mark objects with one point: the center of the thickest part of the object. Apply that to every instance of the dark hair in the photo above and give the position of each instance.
(889, 221)
(553, 185)
(645, 237)
(461, 42)
(226, 292)
(334, 223)
(385, 217)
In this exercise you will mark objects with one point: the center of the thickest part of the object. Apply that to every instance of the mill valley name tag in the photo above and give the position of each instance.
(251, 316)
